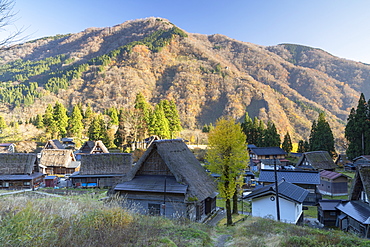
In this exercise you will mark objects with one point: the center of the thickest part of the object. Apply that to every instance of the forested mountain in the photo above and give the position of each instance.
(207, 75)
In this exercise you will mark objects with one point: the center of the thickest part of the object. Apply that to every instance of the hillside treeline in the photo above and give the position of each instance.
(207, 75)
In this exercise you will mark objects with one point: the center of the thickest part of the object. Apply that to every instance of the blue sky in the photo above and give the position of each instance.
(340, 27)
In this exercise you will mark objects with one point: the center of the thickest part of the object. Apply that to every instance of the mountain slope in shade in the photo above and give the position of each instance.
(207, 75)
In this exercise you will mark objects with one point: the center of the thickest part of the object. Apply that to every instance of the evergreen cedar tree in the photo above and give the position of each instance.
(303, 146)
(357, 131)
(133, 124)
(228, 156)
(259, 135)
(321, 137)
(287, 143)
(75, 125)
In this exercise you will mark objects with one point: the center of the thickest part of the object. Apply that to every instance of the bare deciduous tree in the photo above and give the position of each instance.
(7, 18)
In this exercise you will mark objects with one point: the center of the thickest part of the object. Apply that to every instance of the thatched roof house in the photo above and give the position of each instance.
(110, 163)
(316, 160)
(93, 147)
(19, 170)
(54, 144)
(7, 148)
(355, 213)
(169, 169)
(360, 188)
(17, 163)
(102, 170)
(58, 161)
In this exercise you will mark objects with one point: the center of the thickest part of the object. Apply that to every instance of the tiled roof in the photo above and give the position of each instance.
(331, 175)
(267, 151)
(21, 176)
(286, 190)
(358, 210)
(329, 204)
(294, 177)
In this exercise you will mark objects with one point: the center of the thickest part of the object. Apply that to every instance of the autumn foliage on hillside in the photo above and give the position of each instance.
(208, 76)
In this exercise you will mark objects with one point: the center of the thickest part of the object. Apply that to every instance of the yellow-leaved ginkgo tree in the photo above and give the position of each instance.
(227, 155)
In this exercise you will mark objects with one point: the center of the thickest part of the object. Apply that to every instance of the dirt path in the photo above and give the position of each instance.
(222, 240)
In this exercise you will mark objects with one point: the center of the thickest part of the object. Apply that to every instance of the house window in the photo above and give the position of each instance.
(333, 213)
(154, 209)
(26, 183)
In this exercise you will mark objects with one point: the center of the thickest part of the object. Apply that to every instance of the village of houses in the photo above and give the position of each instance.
(168, 180)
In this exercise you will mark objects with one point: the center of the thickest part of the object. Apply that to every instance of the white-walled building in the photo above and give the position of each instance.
(291, 198)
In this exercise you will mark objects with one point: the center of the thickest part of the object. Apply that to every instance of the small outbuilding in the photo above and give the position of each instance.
(327, 213)
(333, 183)
(290, 197)
(51, 181)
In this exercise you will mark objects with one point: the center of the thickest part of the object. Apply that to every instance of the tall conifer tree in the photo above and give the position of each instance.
(75, 125)
(287, 143)
(321, 137)
(270, 136)
(357, 131)
(60, 118)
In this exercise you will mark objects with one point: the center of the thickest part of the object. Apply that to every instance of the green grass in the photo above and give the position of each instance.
(33, 220)
(335, 197)
(311, 212)
(244, 206)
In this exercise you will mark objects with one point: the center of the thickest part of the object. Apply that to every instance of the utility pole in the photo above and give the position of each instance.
(276, 191)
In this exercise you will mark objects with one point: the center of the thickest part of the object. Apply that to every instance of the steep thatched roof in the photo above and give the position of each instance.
(7, 147)
(111, 163)
(183, 165)
(16, 163)
(317, 160)
(54, 144)
(58, 158)
(91, 147)
(361, 182)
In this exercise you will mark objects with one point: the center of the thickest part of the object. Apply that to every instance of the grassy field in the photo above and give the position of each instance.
(81, 220)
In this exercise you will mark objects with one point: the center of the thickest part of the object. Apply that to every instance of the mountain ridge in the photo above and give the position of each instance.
(207, 75)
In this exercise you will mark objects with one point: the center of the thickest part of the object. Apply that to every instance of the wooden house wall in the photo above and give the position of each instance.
(51, 182)
(154, 165)
(328, 217)
(105, 182)
(330, 188)
(174, 203)
(53, 170)
(280, 156)
(21, 184)
(357, 227)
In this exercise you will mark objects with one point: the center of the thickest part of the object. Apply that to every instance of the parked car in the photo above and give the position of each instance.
(349, 167)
